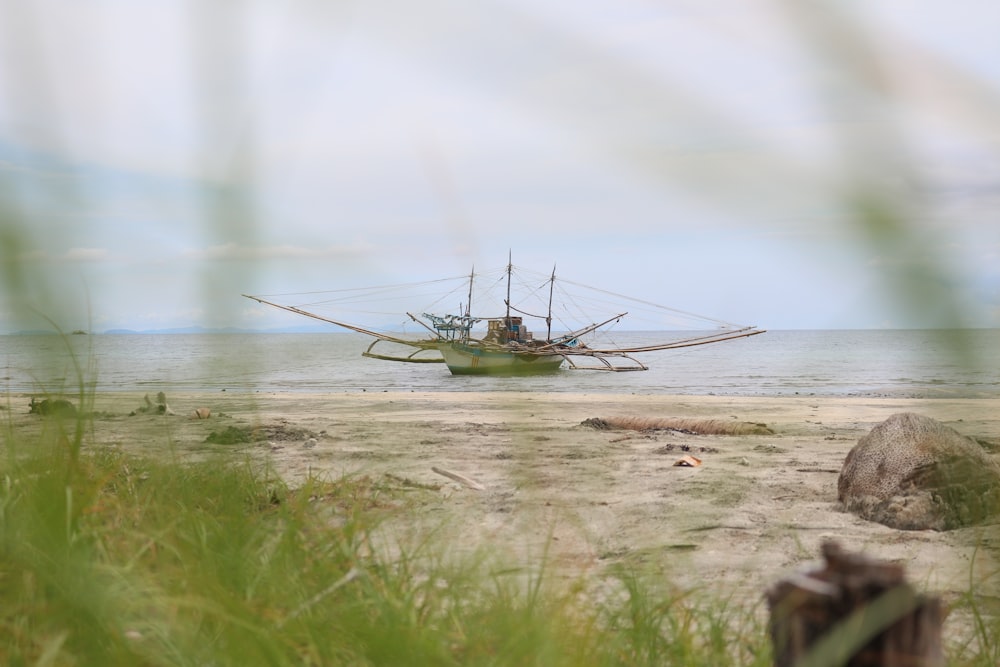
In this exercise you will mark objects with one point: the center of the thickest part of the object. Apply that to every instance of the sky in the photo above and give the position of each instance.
(767, 162)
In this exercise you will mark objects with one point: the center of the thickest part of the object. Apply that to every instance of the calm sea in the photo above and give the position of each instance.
(838, 363)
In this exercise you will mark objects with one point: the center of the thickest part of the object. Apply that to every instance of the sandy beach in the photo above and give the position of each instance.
(587, 499)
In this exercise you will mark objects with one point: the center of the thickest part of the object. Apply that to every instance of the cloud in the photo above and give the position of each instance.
(86, 255)
(30, 257)
(239, 252)
(73, 255)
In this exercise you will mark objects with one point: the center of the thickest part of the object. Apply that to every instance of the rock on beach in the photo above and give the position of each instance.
(914, 473)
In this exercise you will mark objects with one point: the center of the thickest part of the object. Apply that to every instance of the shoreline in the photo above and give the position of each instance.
(10, 395)
(582, 499)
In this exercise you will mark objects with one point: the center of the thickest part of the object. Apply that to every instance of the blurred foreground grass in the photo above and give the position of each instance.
(108, 558)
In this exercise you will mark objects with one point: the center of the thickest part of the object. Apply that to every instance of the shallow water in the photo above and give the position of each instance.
(777, 363)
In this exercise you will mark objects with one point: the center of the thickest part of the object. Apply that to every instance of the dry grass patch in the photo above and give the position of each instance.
(684, 425)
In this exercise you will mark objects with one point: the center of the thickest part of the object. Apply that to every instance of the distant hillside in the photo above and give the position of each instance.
(225, 330)
(180, 330)
(306, 328)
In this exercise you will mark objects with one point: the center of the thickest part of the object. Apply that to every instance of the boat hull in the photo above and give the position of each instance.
(464, 359)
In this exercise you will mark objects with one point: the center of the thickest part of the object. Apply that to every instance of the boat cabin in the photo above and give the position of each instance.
(507, 330)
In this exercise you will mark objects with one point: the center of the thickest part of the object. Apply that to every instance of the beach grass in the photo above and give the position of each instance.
(107, 558)
(110, 558)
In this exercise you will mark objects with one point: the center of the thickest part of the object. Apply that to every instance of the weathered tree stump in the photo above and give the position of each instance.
(855, 611)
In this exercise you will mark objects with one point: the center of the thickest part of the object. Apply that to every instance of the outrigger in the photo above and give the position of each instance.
(508, 347)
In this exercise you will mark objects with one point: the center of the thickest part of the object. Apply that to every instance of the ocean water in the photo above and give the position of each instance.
(903, 363)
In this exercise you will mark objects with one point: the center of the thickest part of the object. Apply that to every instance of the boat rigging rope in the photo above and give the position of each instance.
(653, 305)
(524, 312)
(374, 288)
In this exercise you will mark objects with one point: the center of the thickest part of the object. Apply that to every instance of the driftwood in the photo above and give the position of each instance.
(160, 407)
(461, 479)
(856, 612)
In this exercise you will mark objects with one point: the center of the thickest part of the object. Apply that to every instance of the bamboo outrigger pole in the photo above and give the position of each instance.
(368, 332)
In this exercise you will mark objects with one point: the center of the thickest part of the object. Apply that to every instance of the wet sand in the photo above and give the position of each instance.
(582, 498)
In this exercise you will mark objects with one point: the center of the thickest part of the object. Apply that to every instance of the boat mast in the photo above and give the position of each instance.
(548, 318)
(510, 267)
(467, 325)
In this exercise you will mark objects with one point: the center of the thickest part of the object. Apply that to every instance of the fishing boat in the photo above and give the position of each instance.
(507, 345)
